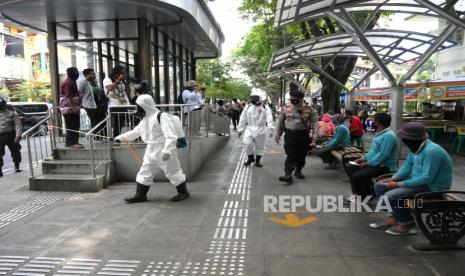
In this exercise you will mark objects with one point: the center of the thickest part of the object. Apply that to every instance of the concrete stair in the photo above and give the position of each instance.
(67, 183)
(71, 171)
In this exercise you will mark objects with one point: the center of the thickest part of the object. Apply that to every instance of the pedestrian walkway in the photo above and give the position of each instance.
(221, 230)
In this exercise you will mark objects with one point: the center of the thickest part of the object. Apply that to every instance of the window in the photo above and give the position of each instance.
(40, 64)
(377, 76)
(445, 74)
(36, 64)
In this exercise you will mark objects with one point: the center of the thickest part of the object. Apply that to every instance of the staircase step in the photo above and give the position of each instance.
(73, 166)
(82, 154)
(67, 183)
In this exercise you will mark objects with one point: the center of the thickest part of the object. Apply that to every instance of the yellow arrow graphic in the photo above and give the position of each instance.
(293, 220)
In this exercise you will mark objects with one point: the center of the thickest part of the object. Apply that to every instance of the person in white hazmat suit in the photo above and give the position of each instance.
(161, 152)
(256, 119)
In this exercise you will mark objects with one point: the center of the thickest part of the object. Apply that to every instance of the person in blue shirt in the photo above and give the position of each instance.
(428, 168)
(381, 159)
(340, 140)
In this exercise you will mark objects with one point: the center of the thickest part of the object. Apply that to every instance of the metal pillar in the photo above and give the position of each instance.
(397, 107)
(53, 62)
(156, 57)
(166, 70)
(350, 103)
(194, 67)
(143, 47)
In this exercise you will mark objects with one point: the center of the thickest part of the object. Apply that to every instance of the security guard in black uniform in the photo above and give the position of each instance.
(296, 120)
(10, 135)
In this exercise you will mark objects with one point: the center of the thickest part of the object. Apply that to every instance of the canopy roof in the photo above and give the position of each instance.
(392, 45)
(290, 11)
(189, 22)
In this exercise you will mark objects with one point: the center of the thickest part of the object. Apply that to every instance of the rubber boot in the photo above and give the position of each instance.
(140, 196)
(298, 174)
(249, 161)
(183, 194)
(17, 169)
(258, 158)
(287, 178)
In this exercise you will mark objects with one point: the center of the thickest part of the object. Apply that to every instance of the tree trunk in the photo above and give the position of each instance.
(328, 95)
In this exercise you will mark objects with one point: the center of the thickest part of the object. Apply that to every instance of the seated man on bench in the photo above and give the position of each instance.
(428, 168)
(381, 159)
(340, 140)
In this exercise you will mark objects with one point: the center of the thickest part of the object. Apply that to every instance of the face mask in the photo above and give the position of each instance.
(254, 100)
(413, 146)
(140, 112)
(295, 101)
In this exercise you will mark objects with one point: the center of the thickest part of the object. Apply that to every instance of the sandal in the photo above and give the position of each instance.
(380, 226)
(396, 232)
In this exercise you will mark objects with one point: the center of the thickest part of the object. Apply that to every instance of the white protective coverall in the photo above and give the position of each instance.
(161, 140)
(254, 123)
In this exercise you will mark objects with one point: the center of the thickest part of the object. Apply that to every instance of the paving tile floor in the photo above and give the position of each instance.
(221, 230)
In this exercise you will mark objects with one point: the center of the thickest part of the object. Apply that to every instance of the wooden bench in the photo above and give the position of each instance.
(440, 216)
(348, 153)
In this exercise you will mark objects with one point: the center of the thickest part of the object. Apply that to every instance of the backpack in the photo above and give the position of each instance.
(182, 142)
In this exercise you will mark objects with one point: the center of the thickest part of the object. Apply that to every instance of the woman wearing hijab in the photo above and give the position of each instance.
(326, 128)
(340, 140)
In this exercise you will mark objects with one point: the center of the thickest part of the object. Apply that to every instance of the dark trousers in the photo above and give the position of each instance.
(326, 156)
(118, 123)
(96, 116)
(73, 123)
(119, 119)
(296, 147)
(360, 179)
(236, 115)
(15, 148)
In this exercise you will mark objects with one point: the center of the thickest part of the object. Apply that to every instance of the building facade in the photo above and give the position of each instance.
(159, 41)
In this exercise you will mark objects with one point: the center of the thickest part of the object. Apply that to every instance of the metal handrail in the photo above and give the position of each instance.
(91, 137)
(28, 135)
(24, 135)
(90, 132)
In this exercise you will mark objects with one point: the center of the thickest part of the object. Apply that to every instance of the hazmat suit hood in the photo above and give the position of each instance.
(147, 103)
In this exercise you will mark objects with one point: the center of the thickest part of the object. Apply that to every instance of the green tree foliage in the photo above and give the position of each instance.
(425, 73)
(30, 91)
(264, 39)
(214, 75)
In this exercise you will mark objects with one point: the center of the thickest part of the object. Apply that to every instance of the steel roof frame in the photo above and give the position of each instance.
(431, 9)
(286, 53)
(359, 36)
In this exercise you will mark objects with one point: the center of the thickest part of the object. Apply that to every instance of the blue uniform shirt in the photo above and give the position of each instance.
(431, 166)
(341, 138)
(383, 151)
